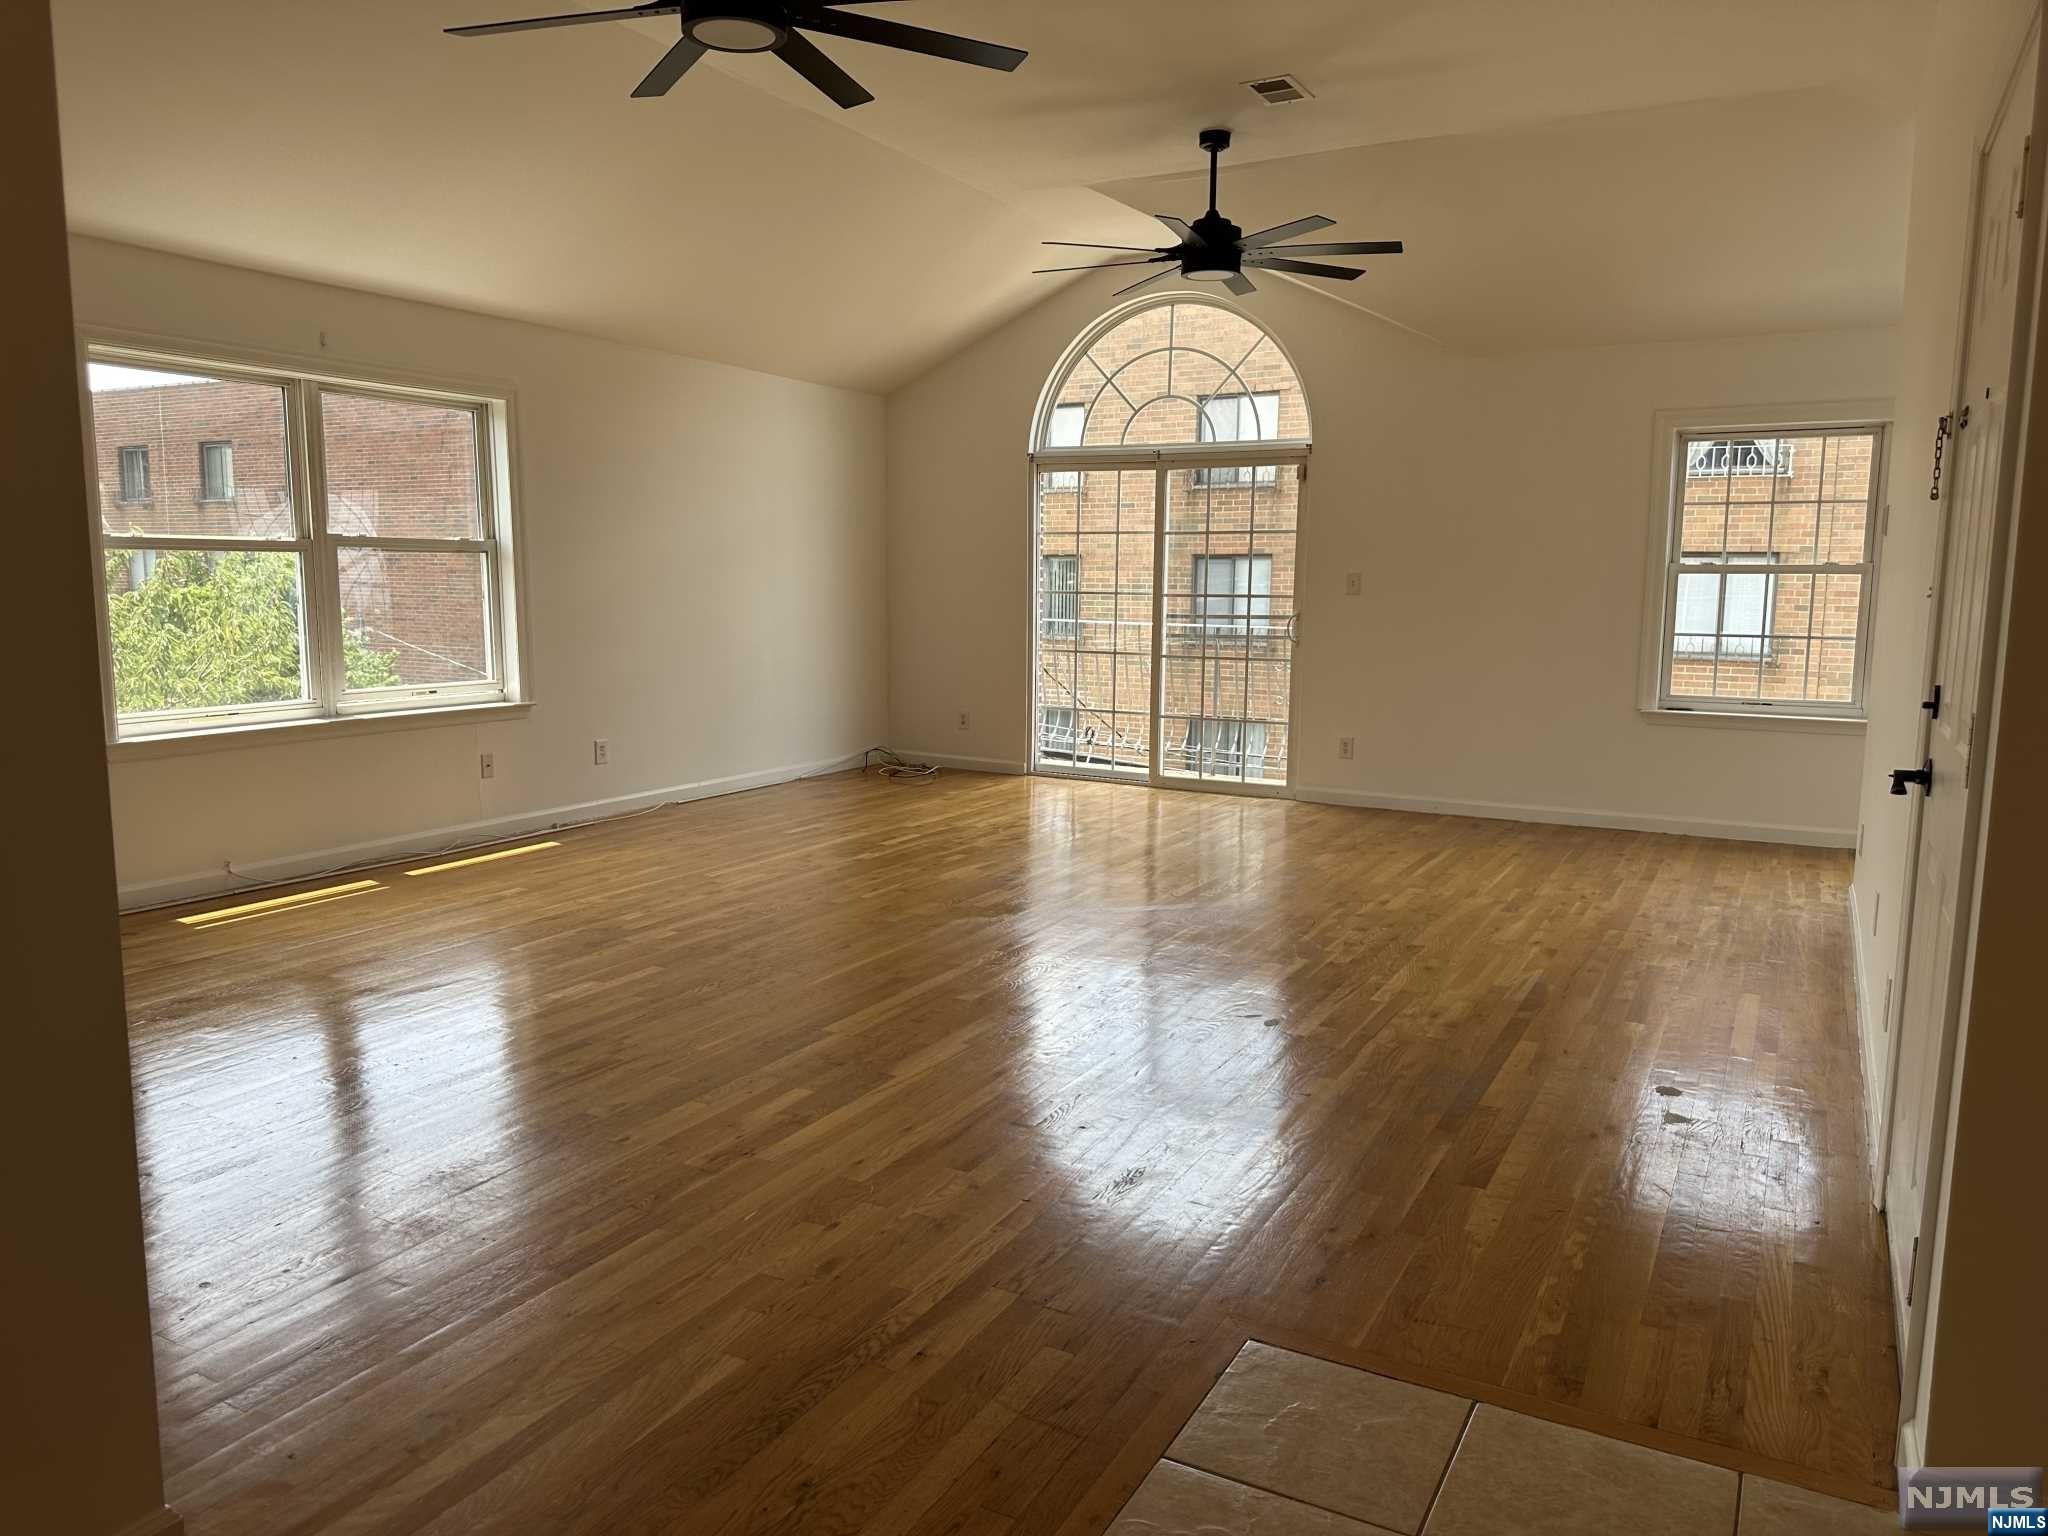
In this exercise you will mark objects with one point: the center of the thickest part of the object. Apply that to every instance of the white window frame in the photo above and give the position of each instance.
(1672, 432)
(330, 704)
(1264, 405)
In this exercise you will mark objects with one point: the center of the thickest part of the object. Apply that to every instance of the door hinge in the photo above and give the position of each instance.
(1912, 1271)
(1933, 705)
(2026, 155)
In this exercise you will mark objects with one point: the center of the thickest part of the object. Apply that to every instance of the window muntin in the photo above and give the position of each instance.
(1790, 638)
(1147, 382)
(230, 602)
(134, 474)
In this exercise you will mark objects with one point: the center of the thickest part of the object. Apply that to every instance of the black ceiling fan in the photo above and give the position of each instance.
(762, 26)
(1212, 249)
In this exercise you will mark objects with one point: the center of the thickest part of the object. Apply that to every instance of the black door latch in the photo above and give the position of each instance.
(1923, 776)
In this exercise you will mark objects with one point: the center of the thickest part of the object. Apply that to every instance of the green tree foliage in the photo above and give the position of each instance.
(210, 630)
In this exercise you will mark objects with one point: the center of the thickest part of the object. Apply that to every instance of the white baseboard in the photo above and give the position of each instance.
(300, 866)
(1867, 1030)
(164, 1522)
(967, 764)
(1567, 816)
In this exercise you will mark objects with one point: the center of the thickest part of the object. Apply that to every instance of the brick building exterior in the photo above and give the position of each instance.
(210, 459)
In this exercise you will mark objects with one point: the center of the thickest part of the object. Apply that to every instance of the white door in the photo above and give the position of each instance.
(1976, 494)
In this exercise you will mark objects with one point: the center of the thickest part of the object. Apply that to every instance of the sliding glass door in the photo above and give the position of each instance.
(1165, 622)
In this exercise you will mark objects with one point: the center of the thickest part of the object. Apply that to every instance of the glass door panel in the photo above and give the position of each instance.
(1092, 687)
(1227, 647)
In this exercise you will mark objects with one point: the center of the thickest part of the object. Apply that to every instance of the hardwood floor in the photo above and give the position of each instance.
(884, 1157)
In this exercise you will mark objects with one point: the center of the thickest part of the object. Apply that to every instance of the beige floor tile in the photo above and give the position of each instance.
(1181, 1501)
(1778, 1509)
(1329, 1435)
(1515, 1473)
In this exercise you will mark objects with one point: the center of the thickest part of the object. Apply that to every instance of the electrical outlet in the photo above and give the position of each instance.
(1347, 747)
(601, 752)
(1354, 583)
(963, 721)
(486, 765)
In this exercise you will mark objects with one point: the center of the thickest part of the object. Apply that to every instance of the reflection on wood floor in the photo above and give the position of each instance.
(865, 1156)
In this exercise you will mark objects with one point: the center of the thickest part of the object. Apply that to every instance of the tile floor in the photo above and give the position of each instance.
(1289, 1445)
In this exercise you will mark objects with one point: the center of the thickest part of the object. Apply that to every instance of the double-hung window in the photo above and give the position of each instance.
(1233, 594)
(1238, 419)
(334, 548)
(133, 474)
(1771, 543)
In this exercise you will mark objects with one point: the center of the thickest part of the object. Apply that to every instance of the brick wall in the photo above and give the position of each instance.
(404, 469)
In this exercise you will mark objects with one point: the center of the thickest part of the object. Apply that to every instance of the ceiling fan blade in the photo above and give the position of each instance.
(1305, 268)
(1180, 227)
(535, 23)
(802, 55)
(1141, 282)
(670, 68)
(1101, 266)
(1278, 232)
(1087, 245)
(1239, 284)
(894, 34)
(1338, 248)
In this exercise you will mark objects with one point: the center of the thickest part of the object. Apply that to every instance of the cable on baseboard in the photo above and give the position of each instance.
(892, 766)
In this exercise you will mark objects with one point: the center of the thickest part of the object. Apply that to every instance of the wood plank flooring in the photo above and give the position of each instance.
(857, 1156)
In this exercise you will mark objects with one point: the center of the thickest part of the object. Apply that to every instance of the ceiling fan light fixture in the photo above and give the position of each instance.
(1208, 269)
(731, 32)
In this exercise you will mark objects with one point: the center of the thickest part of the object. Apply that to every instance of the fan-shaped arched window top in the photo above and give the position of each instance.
(1174, 373)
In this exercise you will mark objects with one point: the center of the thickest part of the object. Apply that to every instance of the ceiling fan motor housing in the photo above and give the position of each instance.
(733, 26)
(1218, 255)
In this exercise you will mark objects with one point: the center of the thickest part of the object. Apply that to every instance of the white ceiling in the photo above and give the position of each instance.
(1564, 170)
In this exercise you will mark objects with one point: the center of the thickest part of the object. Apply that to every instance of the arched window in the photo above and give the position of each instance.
(1173, 373)
(1169, 450)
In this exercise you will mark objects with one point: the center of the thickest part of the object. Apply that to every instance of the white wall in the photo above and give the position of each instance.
(1974, 44)
(1499, 510)
(703, 550)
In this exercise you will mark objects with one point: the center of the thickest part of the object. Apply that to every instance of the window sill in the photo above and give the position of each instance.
(298, 732)
(1741, 720)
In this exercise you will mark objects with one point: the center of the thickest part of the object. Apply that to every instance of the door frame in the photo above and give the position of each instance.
(1161, 464)
(1911, 1319)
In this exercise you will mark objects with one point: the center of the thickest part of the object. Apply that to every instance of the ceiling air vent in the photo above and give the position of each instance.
(1278, 90)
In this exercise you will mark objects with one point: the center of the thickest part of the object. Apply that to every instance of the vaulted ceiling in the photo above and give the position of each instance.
(1564, 171)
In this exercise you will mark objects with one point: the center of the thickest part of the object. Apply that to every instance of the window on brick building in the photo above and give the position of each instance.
(216, 471)
(367, 576)
(1059, 594)
(1063, 430)
(1233, 748)
(134, 474)
(1771, 543)
(1251, 418)
(1233, 594)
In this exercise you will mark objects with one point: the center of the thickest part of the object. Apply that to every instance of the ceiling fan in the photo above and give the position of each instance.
(763, 26)
(1212, 249)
